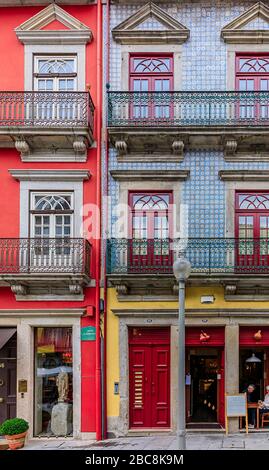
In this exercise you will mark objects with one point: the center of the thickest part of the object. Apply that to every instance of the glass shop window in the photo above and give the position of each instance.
(53, 382)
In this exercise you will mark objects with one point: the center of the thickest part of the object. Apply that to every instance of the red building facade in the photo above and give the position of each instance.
(49, 179)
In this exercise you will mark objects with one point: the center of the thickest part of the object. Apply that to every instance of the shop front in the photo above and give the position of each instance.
(205, 378)
(40, 377)
(254, 359)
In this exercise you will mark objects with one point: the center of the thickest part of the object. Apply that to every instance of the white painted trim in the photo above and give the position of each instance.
(30, 50)
(50, 175)
(50, 185)
(49, 14)
(175, 49)
(25, 361)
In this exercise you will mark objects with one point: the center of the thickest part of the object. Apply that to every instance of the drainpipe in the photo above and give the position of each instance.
(106, 147)
(98, 202)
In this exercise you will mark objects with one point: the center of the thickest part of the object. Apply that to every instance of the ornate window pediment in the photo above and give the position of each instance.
(250, 27)
(150, 25)
(32, 32)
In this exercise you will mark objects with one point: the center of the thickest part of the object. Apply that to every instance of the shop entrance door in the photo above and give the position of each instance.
(205, 394)
(8, 376)
(149, 366)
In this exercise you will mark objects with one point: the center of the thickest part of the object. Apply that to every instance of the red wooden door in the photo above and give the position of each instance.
(149, 390)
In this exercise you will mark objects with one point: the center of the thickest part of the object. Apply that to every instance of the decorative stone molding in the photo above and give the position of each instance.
(230, 146)
(121, 289)
(31, 32)
(50, 175)
(23, 148)
(235, 31)
(172, 32)
(18, 289)
(178, 147)
(79, 145)
(75, 289)
(153, 175)
(230, 289)
(121, 147)
(244, 175)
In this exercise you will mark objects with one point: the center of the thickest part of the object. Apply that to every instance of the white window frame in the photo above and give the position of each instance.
(32, 50)
(52, 216)
(38, 57)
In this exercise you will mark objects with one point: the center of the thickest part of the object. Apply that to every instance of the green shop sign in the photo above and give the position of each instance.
(88, 333)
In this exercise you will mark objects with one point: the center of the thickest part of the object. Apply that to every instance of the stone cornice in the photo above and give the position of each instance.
(244, 175)
(232, 32)
(63, 312)
(50, 175)
(153, 175)
(31, 32)
(174, 32)
(218, 313)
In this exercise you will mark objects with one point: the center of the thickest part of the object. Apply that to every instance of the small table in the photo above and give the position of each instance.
(251, 406)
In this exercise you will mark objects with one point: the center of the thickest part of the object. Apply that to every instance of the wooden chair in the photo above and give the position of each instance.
(265, 418)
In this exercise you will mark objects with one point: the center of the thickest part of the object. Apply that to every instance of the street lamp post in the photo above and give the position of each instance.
(182, 270)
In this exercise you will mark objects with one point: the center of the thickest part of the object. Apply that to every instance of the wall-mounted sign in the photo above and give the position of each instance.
(88, 333)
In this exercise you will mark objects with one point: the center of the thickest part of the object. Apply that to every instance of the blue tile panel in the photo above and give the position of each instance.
(203, 68)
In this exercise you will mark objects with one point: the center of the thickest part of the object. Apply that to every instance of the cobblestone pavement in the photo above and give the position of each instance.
(258, 441)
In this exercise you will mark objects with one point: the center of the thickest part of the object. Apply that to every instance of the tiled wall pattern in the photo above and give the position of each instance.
(203, 68)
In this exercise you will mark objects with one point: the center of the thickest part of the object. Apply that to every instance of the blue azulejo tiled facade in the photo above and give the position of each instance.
(203, 67)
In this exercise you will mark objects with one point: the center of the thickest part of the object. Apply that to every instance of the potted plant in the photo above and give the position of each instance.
(15, 431)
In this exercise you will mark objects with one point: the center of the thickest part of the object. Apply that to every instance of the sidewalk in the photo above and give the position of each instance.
(255, 441)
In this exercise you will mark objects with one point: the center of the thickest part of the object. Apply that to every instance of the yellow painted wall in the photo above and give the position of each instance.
(193, 295)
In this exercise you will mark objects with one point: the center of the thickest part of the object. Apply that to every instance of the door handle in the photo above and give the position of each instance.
(2, 400)
(153, 387)
(1, 382)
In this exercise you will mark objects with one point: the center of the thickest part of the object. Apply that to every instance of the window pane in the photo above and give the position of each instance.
(53, 382)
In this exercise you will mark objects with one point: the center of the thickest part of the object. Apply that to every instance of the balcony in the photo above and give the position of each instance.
(141, 265)
(47, 268)
(166, 123)
(47, 126)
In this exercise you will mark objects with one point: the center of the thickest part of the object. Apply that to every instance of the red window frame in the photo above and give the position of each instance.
(148, 108)
(151, 254)
(252, 108)
(251, 252)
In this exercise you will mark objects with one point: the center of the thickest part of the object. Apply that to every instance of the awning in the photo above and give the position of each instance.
(5, 335)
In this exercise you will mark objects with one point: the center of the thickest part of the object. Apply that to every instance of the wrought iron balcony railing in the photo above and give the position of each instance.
(46, 255)
(210, 256)
(46, 109)
(188, 108)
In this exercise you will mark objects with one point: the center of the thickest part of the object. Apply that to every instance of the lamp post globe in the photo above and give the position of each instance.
(182, 269)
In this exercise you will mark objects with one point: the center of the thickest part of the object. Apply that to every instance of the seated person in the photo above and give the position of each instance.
(264, 405)
(251, 398)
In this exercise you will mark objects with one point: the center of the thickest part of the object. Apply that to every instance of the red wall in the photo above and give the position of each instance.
(12, 79)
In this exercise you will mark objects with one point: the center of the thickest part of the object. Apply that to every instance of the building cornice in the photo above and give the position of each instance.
(50, 175)
(153, 175)
(244, 175)
(63, 312)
